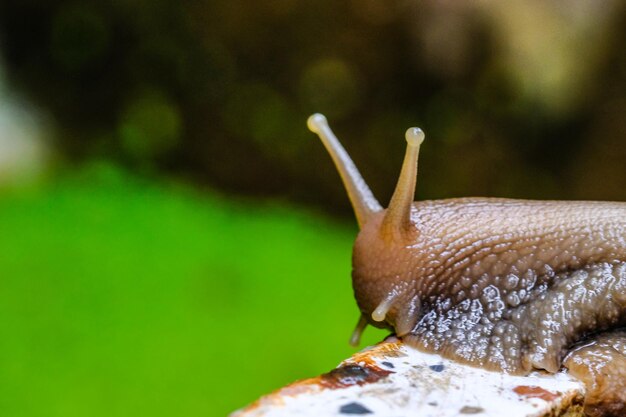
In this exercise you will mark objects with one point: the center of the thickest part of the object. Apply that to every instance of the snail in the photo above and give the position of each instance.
(504, 284)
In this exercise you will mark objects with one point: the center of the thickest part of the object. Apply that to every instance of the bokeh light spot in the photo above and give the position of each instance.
(150, 125)
(331, 86)
(257, 112)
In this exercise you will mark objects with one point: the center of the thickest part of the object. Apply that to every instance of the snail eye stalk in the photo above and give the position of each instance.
(363, 201)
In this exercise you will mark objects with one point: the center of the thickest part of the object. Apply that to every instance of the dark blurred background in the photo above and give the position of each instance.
(128, 122)
(522, 99)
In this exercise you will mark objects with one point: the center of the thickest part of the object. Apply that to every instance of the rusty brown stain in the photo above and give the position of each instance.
(276, 397)
(346, 375)
(380, 351)
(352, 374)
(300, 387)
(533, 391)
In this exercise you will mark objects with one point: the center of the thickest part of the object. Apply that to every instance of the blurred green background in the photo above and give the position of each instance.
(173, 241)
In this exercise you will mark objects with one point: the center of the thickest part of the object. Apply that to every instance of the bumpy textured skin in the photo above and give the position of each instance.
(601, 364)
(504, 284)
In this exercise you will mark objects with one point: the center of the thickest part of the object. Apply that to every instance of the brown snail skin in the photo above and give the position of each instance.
(507, 285)
(601, 364)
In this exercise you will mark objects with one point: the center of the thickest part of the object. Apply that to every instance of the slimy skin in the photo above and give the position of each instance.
(481, 270)
(508, 285)
(601, 364)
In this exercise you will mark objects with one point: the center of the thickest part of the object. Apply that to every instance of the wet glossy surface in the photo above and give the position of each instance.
(601, 364)
(536, 330)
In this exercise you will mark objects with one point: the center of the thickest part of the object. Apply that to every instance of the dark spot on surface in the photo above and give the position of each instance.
(437, 368)
(433, 403)
(352, 374)
(471, 410)
(388, 364)
(535, 392)
(354, 408)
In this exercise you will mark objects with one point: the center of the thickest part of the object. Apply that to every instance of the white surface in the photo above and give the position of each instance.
(415, 389)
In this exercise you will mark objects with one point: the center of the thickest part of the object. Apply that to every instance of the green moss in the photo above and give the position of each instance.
(123, 298)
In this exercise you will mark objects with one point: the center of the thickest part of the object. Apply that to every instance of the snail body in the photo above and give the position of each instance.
(503, 284)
